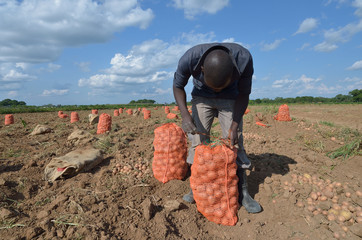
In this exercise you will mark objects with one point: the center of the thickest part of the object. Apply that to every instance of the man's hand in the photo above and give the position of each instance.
(233, 134)
(188, 125)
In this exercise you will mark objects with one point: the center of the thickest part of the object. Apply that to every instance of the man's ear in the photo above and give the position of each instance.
(202, 68)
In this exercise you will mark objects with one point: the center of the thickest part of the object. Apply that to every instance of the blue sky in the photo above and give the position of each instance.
(114, 51)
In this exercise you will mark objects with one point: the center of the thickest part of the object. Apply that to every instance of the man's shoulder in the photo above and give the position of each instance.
(233, 47)
(201, 48)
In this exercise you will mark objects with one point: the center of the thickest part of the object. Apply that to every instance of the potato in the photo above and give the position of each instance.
(333, 211)
(331, 217)
(359, 193)
(300, 204)
(313, 195)
(346, 214)
(341, 219)
(328, 192)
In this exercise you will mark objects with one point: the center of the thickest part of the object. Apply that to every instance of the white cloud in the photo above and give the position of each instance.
(307, 25)
(146, 58)
(195, 7)
(351, 83)
(95, 81)
(247, 46)
(12, 94)
(351, 79)
(193, 38)
(304, 46)
(325, 47)
(37, 31)
(152, 61)
(356, 66)
(333, 37)
(160, 91)
(23, 66)
(272, 46)
(358, 5)
(84, 66)
(339, 2)
(308, 80)
(153, 92)
(15, 76)
(303, 86)
(12, 76)
(281, 83)
(53, 67)
(343, 34)
(10, 86)
(55, 92)
(228, 40)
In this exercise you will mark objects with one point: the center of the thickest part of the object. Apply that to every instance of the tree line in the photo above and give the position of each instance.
(354, 96)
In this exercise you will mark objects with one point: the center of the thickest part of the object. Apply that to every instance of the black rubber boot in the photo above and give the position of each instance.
(189, 197)
(245, 199)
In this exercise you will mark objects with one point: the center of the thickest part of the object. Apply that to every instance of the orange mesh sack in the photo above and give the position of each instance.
(283, 113)
(74, 117)
(172, 116)
(129, 111)
(9, 119)
(116, 113)
(146, 114)
(104, 124)
(169, 158)
(215, 184)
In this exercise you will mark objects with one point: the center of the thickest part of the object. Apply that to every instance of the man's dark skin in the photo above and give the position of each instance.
(241, 102)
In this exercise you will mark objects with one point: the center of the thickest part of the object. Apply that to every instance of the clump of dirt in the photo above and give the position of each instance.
(304, 194)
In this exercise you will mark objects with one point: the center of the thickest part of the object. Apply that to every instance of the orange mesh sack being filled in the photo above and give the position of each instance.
(283, 113)
(215, 184)
(169, 158)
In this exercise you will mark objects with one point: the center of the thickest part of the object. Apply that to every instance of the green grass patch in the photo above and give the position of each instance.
(8, 224)
(315, 145)
(105, 144)
(12, 153)
(43, 202)
(348, 150)
(326, 123)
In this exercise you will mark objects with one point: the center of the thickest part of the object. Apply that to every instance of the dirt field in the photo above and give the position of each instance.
(299, 188)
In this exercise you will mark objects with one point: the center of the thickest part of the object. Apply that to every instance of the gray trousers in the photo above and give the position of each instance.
(204, 110)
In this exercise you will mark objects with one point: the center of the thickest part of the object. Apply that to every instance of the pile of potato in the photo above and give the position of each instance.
(138, 170)
(336, 201)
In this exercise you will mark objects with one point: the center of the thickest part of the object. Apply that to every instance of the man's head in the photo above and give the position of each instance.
(218, 69)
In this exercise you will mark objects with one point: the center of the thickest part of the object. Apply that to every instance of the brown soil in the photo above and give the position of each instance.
(120, 198)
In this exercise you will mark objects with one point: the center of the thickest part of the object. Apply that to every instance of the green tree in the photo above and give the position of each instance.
(8, 103)
(342, 98)
(356, 95)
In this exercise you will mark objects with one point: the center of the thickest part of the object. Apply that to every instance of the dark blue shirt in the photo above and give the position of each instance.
(190, 65)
